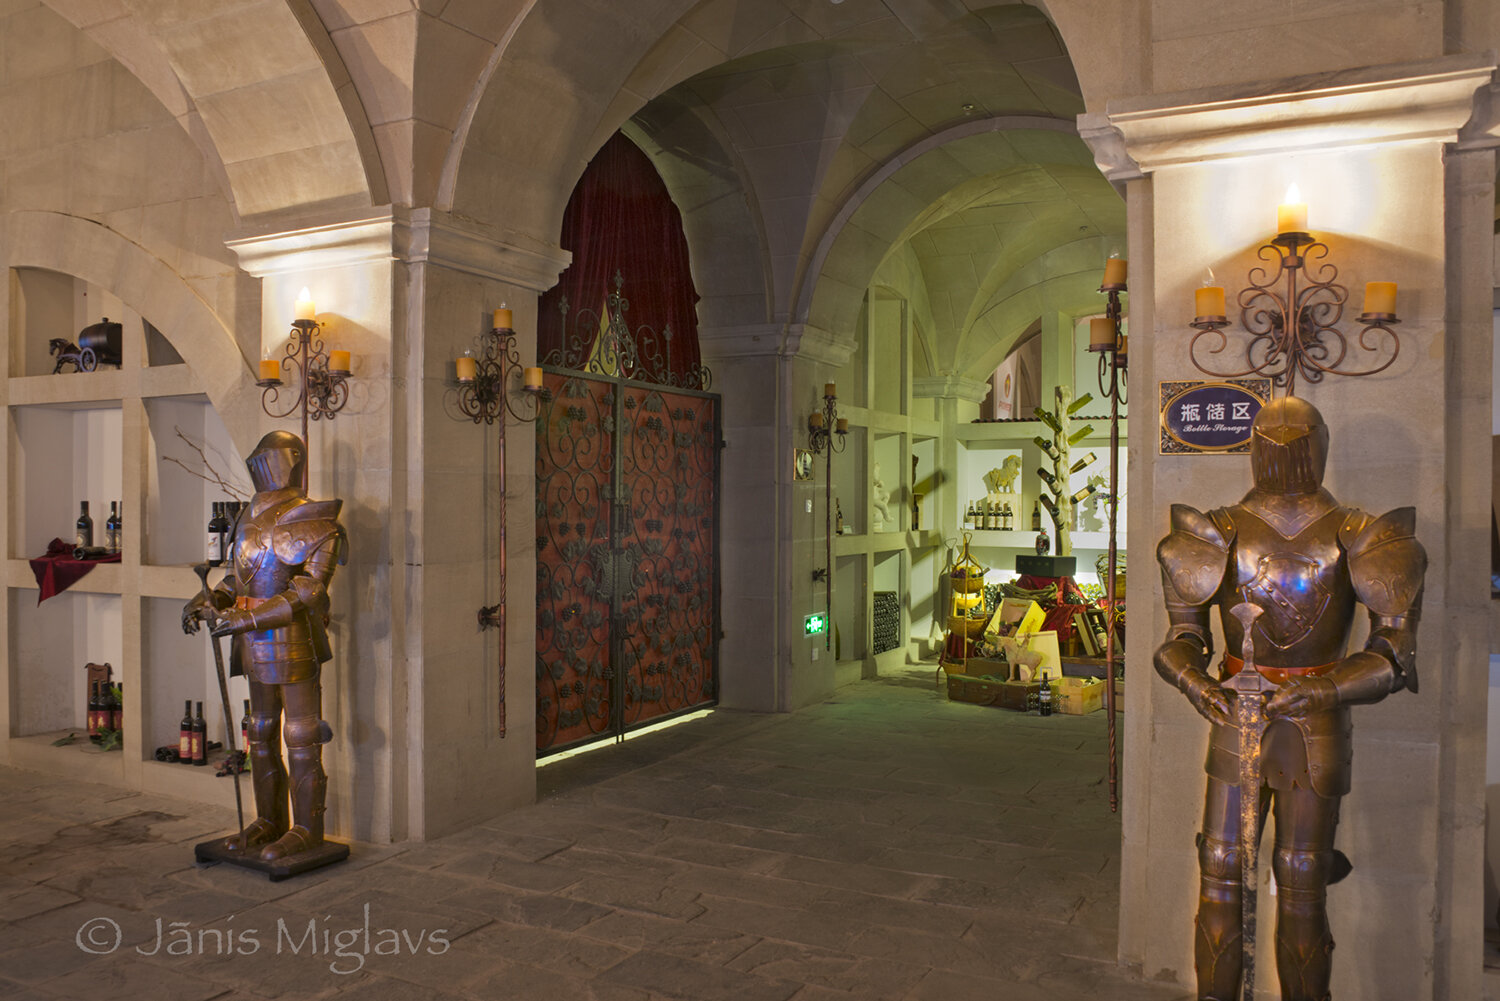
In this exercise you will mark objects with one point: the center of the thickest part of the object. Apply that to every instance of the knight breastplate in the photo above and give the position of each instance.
(258, 570)
(1301, 583)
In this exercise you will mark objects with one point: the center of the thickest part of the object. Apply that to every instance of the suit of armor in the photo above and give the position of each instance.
(274, 602)
(1290, 549)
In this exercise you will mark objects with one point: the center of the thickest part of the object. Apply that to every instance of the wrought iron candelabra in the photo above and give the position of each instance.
(322, 379)
(827, 433)
(1111, 343)
(485, 374)
(1292, 309)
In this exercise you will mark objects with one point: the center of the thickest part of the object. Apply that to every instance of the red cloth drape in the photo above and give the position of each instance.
(58, 570)
(621, 220)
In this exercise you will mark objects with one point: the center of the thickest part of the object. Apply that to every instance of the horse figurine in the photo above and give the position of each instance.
(98, 343)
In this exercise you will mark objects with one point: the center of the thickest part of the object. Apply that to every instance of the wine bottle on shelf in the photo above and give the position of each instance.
(109, 529)
(1048, 479)
(968, 525)
(117, 707)
(216, 525)
(185, 734)
(199, 733)
(83, 537)
(95, 709)
(1007, 518)
(992, 517)
(1085, 493)
(1036, 517)
(120, 527)
(245, 727)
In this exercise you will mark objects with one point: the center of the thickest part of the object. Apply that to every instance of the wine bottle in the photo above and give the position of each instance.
(991, 517)
(1046, 446)
(117, 707)
(1048, 479)
(1007, 518)
(185, 734)
(120, 528)
(969, 517)
(838, 521)
(1081, 463)
(245, 727)
(1044, 697)
(199, 733)
(83, 537)
(94, 709)
(1084, 494)
(1036, 517)
(216, 536)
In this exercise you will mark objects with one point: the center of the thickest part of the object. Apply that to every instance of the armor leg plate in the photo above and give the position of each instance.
(1217, 937)
(268, 775)
(309, 783)
(1303, 862)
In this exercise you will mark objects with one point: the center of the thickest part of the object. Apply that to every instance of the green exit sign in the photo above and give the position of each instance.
(815, 624)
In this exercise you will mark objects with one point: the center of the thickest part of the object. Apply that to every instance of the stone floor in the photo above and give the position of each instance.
(886, 844)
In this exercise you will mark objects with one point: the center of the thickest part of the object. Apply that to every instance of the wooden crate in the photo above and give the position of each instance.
(976, 691)
(1018, 695)
(1078, 696)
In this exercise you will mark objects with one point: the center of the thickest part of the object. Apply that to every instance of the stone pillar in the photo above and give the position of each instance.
(1204, 173)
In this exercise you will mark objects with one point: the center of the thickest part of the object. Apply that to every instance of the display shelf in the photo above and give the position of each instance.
(82, 760)
(101, 436)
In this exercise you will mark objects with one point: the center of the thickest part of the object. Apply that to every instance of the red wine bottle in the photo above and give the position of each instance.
(216, 526)
(83, 538)
(199, 734)
(185, 734)
(94, 709)
(117, 707)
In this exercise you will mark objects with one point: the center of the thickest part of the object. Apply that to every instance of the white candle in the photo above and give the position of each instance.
(1291, 214)
(306, 308)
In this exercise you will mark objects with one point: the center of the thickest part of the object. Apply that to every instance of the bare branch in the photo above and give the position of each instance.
(209, 472)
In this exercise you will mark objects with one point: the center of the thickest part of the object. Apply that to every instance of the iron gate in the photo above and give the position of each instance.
(627, 555)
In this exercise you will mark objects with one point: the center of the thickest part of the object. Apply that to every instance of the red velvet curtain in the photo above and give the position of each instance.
(621, 220)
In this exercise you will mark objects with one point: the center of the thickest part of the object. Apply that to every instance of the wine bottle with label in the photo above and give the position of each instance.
(1084, 494)
(109, 529)
(1048, 479)
(199, 734)
(1007, 518)
(968, 525)
(83, 537)
(216, 536)
(1036, 516)
(1083, 462)
(1044, 697)
(185, 734)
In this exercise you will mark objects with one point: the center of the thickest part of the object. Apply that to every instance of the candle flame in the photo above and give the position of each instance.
(1293, 195)
(305, 295)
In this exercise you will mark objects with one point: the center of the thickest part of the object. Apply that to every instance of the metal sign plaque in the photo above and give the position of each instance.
(1211, 417)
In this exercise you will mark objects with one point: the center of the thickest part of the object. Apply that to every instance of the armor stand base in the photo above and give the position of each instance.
(217, 850)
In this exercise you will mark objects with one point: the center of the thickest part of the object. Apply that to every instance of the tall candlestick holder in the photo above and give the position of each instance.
(827, 433)
(486, 375)
(1292, 308)
(1113, 368)
(322, 387)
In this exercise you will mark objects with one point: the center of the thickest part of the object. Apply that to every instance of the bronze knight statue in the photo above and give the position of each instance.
(1292, 563)
(274, 603)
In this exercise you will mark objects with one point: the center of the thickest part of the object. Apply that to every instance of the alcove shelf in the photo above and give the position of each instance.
(102, 436)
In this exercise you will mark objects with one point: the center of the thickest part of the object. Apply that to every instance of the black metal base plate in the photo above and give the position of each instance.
(215, 851)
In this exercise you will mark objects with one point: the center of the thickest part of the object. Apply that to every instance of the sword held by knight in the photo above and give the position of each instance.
(1285, 567)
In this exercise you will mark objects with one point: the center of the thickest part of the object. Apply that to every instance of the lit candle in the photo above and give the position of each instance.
(1209, 300)
(338, 361)
(1101, 333)
(306, 310)
(467, 367)
(502, 318)
(815, 419)
(270, 369)
(843, 425)
(1114, 271)
(531, 378)
(1291, 214)
(829, 389)
(1380, 297)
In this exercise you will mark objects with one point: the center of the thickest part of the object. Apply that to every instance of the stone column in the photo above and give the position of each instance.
(1204, 172)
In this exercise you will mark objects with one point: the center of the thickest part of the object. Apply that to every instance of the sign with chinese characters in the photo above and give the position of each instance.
(1210, 416)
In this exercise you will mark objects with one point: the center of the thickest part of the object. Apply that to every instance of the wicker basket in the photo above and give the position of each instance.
(967, 579)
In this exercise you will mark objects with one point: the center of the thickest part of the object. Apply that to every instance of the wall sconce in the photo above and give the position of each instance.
(322, 376)
(1294, 330)
(1105, 337)
(486, 371)
(825, 428)
(827, 433)
(484, 376)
